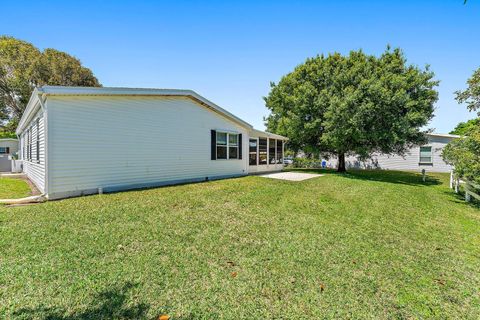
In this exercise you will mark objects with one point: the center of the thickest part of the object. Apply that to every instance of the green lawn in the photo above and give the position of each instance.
(359, 245)
(11, 188)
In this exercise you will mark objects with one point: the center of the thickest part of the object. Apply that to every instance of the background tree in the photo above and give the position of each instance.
(465, 128)
(355, 104)
(19, 73)
(464, 153)
(23, 67)
(58, 67)
(471, 95)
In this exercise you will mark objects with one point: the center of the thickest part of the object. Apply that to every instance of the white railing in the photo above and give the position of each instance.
(471, 191)
(471, 188)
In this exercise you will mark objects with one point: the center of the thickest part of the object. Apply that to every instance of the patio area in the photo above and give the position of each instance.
(291, 176)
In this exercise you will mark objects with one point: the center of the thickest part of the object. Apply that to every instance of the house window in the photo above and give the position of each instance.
(222, 145)
(232, 146)
(29, 145)
(25, 144)
(426, 155)
(23, 148)
(38, 141)
(262, 151)
(271, 151)
(3, 150)
(227, 145)
(279, 151)
(252, 152)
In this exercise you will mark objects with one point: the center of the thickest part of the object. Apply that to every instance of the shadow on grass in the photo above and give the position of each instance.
(110, 304)
(390, 176)
(460, 199)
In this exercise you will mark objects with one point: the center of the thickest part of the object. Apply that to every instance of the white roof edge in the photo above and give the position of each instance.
(445, 135)
(112, 91)
(268, 134)
(8, 139)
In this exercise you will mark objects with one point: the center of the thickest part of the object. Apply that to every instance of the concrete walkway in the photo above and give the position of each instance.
(12, 175)
(291, 176)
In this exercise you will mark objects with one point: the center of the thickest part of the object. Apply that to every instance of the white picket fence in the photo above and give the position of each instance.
(471, 189)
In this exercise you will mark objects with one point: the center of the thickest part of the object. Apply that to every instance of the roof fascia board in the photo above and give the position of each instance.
(81, 91)
(256, 132)
(444, 135)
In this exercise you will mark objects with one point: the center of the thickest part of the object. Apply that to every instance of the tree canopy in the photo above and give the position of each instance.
(464, 153)
(471, 95)
(355, 104)
(23, 67)
(465, 128)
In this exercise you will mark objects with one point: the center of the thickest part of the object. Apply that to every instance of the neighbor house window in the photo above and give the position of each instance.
(262, 150)
(252, 152)
(227, 145)
(3, 150)
(425, 154)
(271, 151)
(279, 151)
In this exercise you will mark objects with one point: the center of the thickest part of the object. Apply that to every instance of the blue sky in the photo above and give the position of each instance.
(229, 52)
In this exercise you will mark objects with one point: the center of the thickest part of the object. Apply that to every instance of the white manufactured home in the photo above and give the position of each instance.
(80, 140)
(428, 157)
(8, 147)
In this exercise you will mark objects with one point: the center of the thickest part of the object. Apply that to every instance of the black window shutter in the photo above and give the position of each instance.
(8, 150)
(240, 146)
(213, 146)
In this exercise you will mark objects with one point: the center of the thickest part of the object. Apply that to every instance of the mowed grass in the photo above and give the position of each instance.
(11, 188)
(357, 245)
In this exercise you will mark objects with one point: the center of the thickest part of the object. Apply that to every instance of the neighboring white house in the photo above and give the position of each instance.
(75, 140)
(8, 147)
(428, 157)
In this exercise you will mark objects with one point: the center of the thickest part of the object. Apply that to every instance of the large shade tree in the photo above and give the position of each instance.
(471, 95)
(23, 67)
(355, 104)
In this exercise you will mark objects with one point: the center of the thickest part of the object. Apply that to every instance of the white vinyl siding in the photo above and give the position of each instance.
(11, 144)
(409, 162)
(34, 168)
(116, 141)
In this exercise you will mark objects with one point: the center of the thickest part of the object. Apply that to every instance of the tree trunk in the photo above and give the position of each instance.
(341, 162)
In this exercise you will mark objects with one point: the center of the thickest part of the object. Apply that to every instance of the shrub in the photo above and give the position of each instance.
(307, 163)
(4, 134)
(464, 155)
